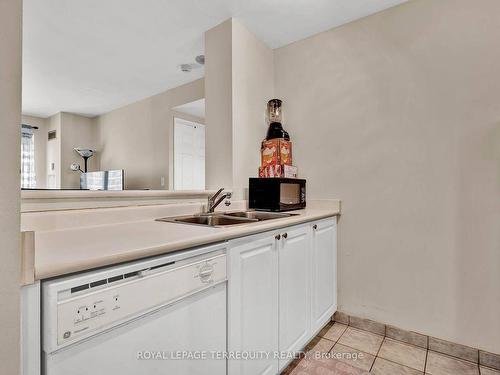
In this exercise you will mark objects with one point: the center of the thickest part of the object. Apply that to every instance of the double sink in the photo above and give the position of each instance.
(226, 218)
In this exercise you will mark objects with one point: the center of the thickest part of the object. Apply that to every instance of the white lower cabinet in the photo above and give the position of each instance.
(323, 272)
(253, 303)
(294, 290)
(282, 288)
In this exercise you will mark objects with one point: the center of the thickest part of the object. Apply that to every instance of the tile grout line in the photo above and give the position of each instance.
(375, 357)
(343, 333)
(409, 343)
(392, 338)
(378, 351)
(479, 362)
(326, 338)
(426, 354)
(425, 363)
(427, 348)
(337, 341)
(457, 358)
(427, 338)
(453, 356)
(494, 369)
(400, 364)
(359, 351)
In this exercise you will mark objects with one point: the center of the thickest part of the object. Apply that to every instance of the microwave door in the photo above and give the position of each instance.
(289, 194)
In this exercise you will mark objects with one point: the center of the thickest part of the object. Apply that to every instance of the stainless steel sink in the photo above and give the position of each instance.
(214, 220)
(226, 219)
(258, 215)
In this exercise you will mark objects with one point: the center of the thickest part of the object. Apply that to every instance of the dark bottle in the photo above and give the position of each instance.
(286, 136)
(274, 117)
(275, 131)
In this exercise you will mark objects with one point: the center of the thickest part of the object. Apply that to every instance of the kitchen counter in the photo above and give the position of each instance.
(59, 252)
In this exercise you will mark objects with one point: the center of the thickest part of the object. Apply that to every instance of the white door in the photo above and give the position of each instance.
(148, 344)
(323, 272)
(189, 155)
(294, 290)
(253, 303)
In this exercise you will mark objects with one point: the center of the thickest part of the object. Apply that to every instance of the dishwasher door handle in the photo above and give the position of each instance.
(206, 273)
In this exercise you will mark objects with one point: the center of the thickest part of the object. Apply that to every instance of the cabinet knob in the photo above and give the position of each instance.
(278, 237)
(285, 235)
(315, 227)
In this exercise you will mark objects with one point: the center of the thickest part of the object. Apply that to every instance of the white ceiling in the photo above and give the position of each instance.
(196, 108)
(92, 56)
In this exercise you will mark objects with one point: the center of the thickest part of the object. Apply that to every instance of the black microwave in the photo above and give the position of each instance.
(276, 194)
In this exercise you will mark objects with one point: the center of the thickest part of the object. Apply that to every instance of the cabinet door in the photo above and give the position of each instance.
(294, 289)
(323, 272)
(253, 303)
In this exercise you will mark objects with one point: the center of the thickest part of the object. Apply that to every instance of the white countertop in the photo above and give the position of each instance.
(59, 252)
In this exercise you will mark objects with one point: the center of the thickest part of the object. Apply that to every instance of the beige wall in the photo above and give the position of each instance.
(40, 140)
(71, 131)
(10, 144)
(253, 86)
(239, 82)
(53, 161)
(218, 102)
(398, 114)
(137, 137)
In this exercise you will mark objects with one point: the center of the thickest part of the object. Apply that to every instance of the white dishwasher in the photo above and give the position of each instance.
(164, 315)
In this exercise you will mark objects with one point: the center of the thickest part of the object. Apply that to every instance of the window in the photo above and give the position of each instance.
(28, 176)
(189, 155)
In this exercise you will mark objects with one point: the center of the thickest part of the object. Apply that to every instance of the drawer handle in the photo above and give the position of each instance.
(315, 227)
(285, 235)
(278, 237)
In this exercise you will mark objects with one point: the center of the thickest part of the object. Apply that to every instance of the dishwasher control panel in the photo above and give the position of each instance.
(90, 311)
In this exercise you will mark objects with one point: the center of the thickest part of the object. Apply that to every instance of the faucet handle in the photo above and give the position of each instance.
(212, 198)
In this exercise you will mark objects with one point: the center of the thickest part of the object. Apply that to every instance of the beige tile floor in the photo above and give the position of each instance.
(381, 355)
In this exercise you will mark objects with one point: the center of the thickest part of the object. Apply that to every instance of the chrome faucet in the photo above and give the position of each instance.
(213, 203)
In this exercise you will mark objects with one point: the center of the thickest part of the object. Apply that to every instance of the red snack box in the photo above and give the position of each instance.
(276, 151)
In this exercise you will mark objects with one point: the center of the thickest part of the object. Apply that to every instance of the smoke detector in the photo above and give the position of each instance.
(200, 59)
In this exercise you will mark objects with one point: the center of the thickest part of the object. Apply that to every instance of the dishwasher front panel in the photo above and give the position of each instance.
(93, 311)
(182, 339)
(79, 306)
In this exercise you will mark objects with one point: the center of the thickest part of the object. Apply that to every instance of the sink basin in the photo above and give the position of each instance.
(258, 215)
(209, 220)
(225, 219)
